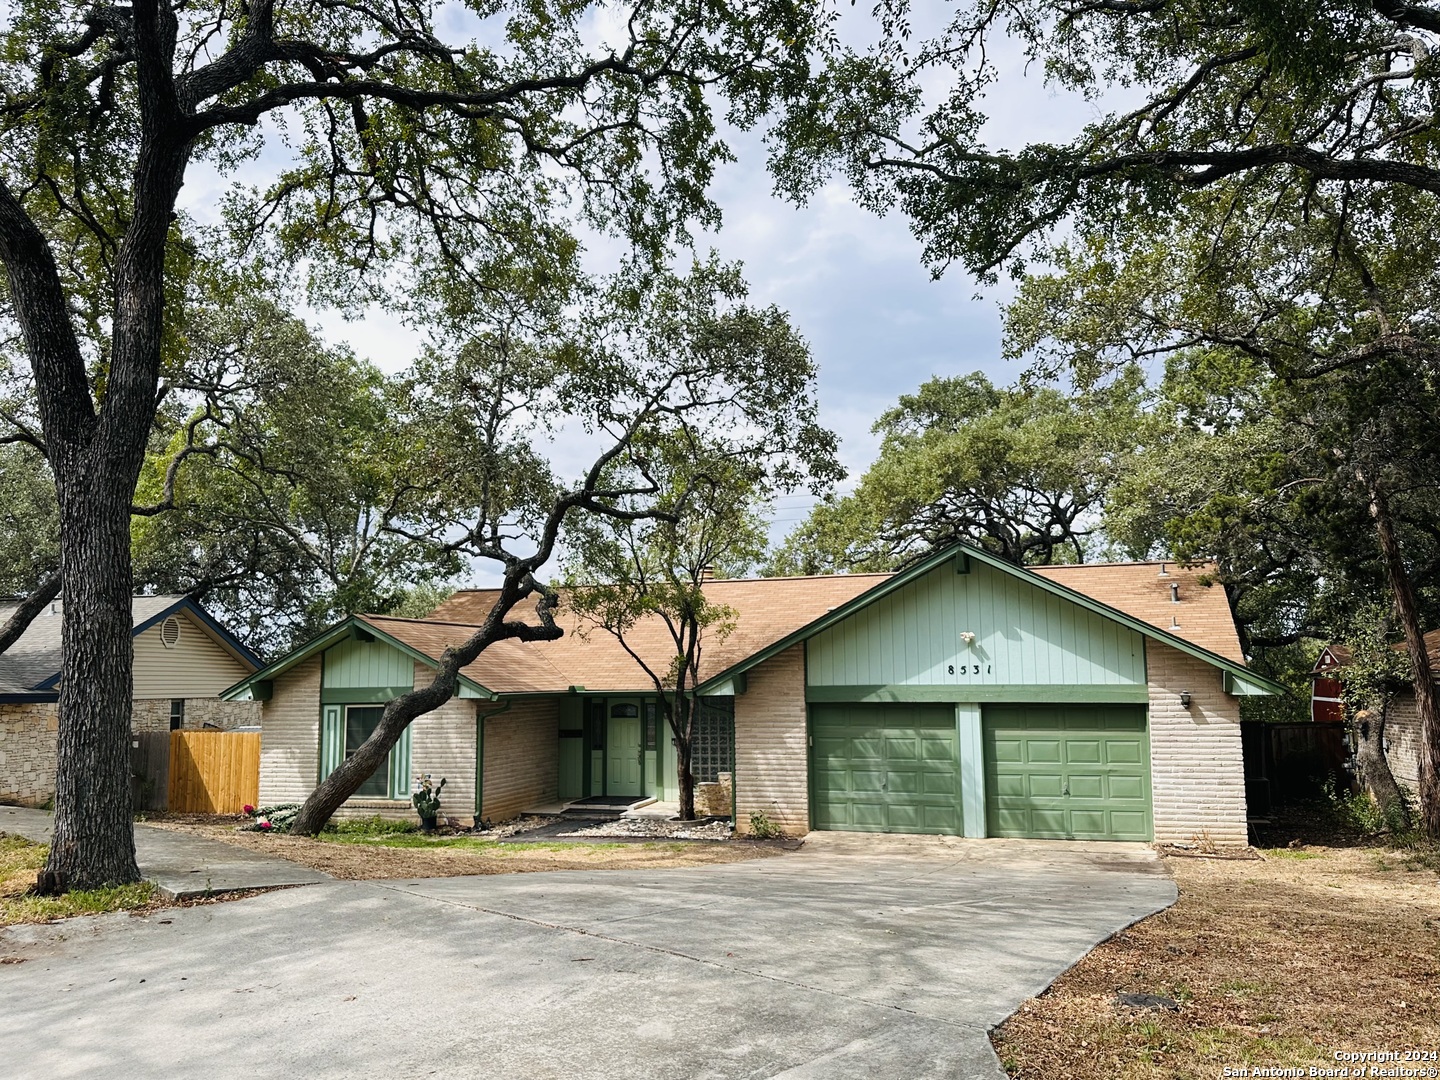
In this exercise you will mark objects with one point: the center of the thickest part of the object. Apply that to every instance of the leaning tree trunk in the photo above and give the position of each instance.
(1374, 769)
(1426, 704)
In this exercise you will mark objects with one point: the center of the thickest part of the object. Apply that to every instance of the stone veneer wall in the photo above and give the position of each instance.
(28, 732)
(1197, 769)
(522, 758)
(771, 756)
(153, 714)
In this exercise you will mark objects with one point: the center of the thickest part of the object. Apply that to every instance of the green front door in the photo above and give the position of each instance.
(1067, 772)
(624, 774)
(885, 768)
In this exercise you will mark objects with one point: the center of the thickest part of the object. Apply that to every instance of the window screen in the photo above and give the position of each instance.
(360, 723)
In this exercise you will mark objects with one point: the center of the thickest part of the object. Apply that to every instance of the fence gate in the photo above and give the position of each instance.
(149, 769)
(214, 772)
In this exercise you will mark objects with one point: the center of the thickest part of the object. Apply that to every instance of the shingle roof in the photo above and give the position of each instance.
(1202, 615)
(34, 659)
(768, 609)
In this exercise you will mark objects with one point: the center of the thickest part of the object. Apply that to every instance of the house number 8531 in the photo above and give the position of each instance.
(974, 669)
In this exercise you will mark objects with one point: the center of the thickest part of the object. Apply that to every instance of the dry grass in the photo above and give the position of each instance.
(1276, 962)
(409, 855)
(21, 860)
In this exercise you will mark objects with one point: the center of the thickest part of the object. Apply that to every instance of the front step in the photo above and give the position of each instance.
(604, 807)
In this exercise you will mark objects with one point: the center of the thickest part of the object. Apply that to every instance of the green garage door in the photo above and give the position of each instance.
(885, 768)
(1067, 772)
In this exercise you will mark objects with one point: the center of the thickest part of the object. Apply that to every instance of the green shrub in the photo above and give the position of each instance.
(1358, 811)
(762, 828)
(375, 825)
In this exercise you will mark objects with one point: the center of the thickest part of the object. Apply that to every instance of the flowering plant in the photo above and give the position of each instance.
(272, 818)
(248, 810)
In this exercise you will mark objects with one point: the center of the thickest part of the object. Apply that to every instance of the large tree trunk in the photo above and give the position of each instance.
(94, 834)
(1374, 769)
(1408, 609)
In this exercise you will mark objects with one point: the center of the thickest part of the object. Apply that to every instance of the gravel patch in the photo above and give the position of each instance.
(661, 828)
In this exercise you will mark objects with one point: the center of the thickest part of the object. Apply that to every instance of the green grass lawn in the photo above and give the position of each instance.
(21, 860)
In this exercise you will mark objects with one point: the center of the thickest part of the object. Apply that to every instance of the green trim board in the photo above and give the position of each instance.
(349, 628)
(948, 693)
(959, 550)
(362, 695)
(969, 733)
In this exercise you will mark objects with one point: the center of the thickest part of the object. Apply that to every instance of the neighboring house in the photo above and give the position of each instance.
(1402, 718)
(963, 695)
(183, 659)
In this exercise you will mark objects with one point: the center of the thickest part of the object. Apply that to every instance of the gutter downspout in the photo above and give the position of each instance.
(480, 718)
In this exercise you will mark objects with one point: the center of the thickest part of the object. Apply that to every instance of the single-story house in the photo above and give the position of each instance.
(1402, 718)
(183, 659)
(962, 695)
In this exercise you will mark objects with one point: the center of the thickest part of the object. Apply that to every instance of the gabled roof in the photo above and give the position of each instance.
(1337, 654)
(774, 613)
(30, 668)
(1126, 585)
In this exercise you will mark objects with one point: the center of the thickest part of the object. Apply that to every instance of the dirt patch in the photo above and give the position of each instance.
(413, 856)
(1277, 961)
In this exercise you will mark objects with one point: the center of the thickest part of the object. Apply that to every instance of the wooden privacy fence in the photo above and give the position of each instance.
(1286, 763)
(214, 772)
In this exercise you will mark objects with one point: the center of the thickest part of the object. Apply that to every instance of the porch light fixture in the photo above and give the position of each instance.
(1185, 698)
(968, 637)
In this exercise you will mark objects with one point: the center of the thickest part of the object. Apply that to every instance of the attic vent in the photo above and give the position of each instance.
(170, 632)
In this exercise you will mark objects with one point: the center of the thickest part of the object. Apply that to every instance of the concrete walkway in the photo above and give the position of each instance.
(181, 865)
(855, 957)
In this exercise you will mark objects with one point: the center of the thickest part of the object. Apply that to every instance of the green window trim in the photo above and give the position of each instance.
(332, 752)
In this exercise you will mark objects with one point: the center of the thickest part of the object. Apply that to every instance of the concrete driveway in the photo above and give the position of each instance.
(855, 957)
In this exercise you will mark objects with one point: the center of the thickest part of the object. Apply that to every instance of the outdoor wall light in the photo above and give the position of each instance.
(1185, 698)
(967, 637)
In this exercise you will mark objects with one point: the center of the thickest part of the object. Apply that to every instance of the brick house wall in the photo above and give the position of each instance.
(153, 714)
(1402, 734)
(442, 743)
(771, 756)
(290, 736)
(1196, 767)
(522, 758)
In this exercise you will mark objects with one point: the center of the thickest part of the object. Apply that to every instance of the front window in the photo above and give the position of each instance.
(360, 723)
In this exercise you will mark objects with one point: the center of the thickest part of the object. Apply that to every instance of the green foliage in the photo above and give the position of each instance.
(1376, 668)
(426, 797)
(1360, 812)
(1022, 472)
(372, 826)
(762, 828)
(277, 818)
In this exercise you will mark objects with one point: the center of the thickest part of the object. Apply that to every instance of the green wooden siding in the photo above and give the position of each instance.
(1067, 772)
(1024, 636)
(886, 768)
(364, 664)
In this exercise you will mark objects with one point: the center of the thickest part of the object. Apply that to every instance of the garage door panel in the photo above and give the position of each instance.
(1042, 751)
(1086, 786)
(900, 768)
(1127, 787)
(1074, 771)
(1044, 786)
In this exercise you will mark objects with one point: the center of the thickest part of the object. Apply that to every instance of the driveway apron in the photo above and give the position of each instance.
(855, 957)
